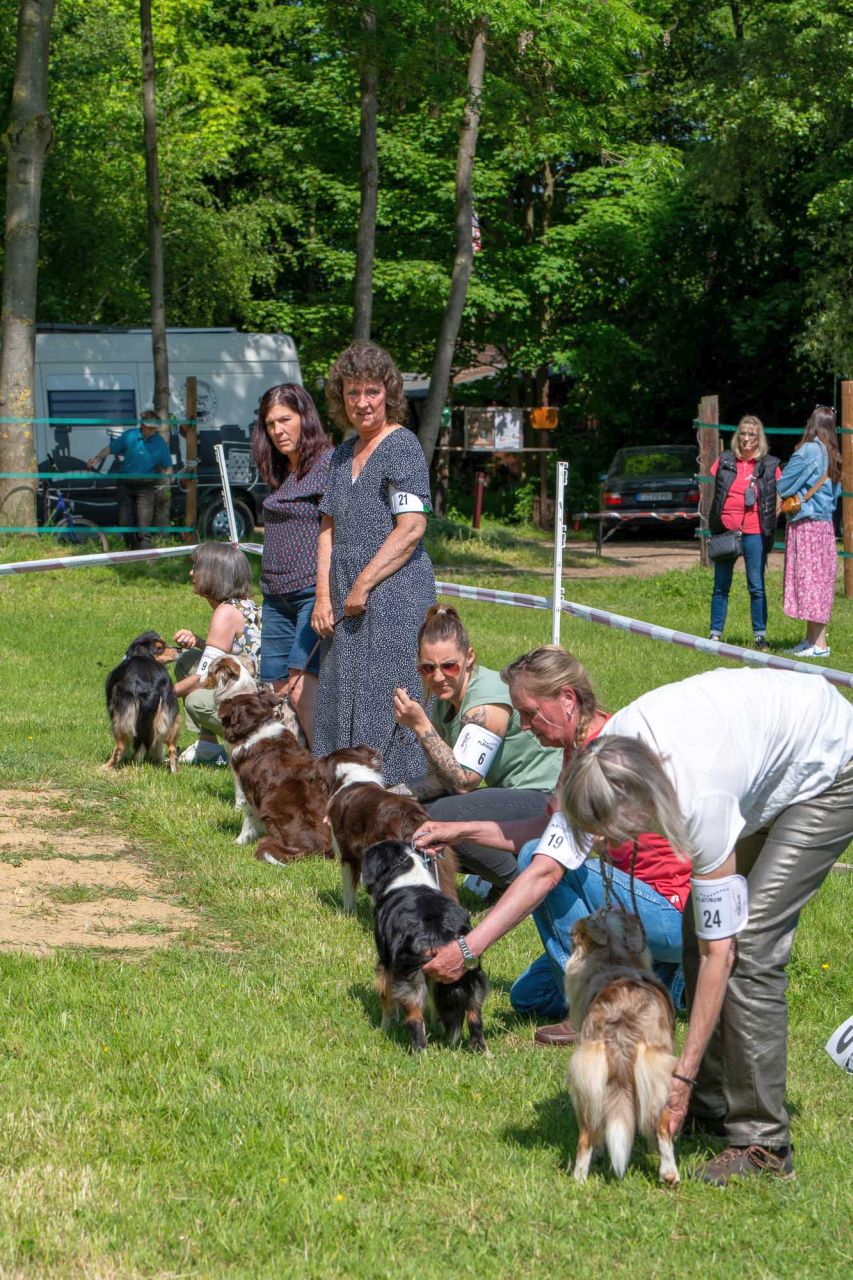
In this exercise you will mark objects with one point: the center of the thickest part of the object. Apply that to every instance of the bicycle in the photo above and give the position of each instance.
(57, 513)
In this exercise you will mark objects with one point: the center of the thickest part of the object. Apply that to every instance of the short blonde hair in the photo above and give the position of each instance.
(750, 420)
(547, 670)
(617, 788)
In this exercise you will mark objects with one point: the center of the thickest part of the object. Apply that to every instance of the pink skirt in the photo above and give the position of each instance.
(810, 568)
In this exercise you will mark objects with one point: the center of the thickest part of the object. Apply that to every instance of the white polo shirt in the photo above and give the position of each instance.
(741, 746)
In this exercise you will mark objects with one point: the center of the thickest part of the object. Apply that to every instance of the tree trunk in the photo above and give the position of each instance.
(26, 143)
(463, 263)
(155, 223)
(366, 239)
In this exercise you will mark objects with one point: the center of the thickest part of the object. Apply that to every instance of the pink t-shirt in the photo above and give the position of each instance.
(735, 515)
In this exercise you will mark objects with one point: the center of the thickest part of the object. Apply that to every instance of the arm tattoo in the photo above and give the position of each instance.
(477, 715)
(444, 763)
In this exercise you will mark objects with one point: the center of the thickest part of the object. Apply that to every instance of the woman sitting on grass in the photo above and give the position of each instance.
(473, 736)
(220, 573)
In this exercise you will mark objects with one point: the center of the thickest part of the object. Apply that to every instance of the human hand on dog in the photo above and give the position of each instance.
(356, 602)
(678, 1102)
(186, 639)
(446, 964)
(431, 837)
(409, 713)
(323, 618)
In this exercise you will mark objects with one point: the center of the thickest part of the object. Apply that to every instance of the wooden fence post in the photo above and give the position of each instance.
(847, 484)
(709, 451)
(190, 431)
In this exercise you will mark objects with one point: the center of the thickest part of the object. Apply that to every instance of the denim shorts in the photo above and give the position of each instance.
(286, 635)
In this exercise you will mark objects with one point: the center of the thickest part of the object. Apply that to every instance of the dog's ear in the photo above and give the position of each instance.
(237, 719)
(635, 938)
(595, 929)
(377, 859)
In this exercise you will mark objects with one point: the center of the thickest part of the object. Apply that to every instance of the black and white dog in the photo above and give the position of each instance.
(412, 918)
(141, 703)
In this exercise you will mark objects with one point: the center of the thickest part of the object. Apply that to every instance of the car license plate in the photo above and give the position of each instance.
(654, 495)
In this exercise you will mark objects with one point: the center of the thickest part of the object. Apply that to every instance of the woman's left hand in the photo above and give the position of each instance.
(356, 602)
(409, 713)
(446, 964)
(679, 1101)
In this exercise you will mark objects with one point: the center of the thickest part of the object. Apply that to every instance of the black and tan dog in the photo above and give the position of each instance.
(142, 705)
(412, 918)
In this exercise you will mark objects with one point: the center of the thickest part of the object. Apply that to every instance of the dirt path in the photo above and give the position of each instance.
(620, 559)
(60, 886)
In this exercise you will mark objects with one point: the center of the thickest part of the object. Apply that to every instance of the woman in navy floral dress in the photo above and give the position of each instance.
(374, 578)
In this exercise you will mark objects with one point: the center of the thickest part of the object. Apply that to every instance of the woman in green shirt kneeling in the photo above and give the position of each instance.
(473, 737)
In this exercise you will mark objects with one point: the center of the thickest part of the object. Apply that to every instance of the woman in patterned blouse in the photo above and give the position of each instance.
(290, 450)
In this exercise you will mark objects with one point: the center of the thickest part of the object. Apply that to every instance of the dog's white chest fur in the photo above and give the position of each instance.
(274, 730)
(417, 874)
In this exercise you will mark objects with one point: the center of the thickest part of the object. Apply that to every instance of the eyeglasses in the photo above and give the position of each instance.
(369, 393)
(428, 669)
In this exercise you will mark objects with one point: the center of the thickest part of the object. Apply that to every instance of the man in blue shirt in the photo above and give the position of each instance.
(143, 452)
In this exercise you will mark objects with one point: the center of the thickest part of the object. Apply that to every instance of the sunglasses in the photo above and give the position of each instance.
(428, 669)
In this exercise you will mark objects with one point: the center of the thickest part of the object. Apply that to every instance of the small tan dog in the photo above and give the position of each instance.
(620, 1073)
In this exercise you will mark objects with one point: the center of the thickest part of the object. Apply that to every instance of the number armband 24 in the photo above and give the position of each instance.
(720, 907)
(476, 748)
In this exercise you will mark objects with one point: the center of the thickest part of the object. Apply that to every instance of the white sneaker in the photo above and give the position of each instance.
(812, 651)
(478, 886)
(200, 752)
(798, 648)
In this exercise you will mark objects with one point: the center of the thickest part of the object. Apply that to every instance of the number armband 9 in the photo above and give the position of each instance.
(720, 907)
(209, 656)
(476, 748)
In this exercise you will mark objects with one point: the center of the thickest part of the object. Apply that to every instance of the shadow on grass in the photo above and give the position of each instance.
(334, 900)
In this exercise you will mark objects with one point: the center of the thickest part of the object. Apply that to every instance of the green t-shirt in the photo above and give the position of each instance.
(520, 760)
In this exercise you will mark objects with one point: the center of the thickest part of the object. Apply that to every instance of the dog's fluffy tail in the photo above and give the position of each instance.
(652, 1074)
(602, 1106)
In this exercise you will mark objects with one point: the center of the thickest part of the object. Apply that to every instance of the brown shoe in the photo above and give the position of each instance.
(745, 1162)
(558, 1034)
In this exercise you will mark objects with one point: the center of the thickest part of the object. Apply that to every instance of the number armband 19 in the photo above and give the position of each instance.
(476, 748)
(720, 907)
(558, 844)
(208, 657)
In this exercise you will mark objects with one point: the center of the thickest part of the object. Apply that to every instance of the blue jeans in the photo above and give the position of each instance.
(755, 560)
(540, 989)
(286, 635)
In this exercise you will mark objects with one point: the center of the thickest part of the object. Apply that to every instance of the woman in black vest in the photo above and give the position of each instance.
(745, 498)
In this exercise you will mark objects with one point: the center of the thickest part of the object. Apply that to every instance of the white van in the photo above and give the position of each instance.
(107, 375)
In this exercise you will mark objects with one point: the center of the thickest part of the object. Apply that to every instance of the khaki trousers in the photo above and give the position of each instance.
(742, 1076)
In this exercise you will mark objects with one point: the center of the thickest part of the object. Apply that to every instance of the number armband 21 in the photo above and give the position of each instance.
(476, 748)
(720, 907)
(402, 503)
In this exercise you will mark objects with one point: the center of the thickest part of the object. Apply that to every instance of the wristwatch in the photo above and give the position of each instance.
(468, 958)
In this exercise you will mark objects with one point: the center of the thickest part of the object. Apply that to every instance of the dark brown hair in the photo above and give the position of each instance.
(821, 428)
(273, 466)
(442, 622)
(221, 572)
(365, 362)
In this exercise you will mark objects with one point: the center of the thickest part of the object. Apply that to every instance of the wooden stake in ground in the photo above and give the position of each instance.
(847, 483)
(26, 143)
(155, 224)
(464, 261)
(709, 451)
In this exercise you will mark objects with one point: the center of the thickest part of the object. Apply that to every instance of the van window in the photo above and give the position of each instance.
(117, 406)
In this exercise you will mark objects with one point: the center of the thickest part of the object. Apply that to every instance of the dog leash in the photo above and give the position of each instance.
(610, 894)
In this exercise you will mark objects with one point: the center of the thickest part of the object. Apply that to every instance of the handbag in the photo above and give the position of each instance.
(727, 545)
(791, 506)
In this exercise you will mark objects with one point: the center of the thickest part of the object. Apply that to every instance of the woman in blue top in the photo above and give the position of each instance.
(810, 555)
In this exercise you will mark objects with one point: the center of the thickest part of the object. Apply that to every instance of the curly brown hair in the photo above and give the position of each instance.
(365, 361)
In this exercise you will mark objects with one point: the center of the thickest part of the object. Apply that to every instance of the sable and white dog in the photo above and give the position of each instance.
(363, 813)
(620, 1073)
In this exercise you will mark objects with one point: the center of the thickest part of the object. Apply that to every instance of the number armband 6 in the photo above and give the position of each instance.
(476, 748)
(720, 907)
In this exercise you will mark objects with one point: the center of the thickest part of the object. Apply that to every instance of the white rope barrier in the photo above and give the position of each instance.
(100, 557)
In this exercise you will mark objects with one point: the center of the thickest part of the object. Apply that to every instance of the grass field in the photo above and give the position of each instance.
(226, 1105)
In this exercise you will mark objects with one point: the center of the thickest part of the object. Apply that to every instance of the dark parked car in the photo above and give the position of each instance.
(652, 478)
(95, 499)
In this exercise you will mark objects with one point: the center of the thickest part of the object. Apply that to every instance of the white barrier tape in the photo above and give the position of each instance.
(515, 598)
(101, 557)
(711, 647)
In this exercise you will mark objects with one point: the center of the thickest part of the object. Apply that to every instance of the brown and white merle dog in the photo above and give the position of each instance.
(283, 786)
(412, 918)
(362, 813)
